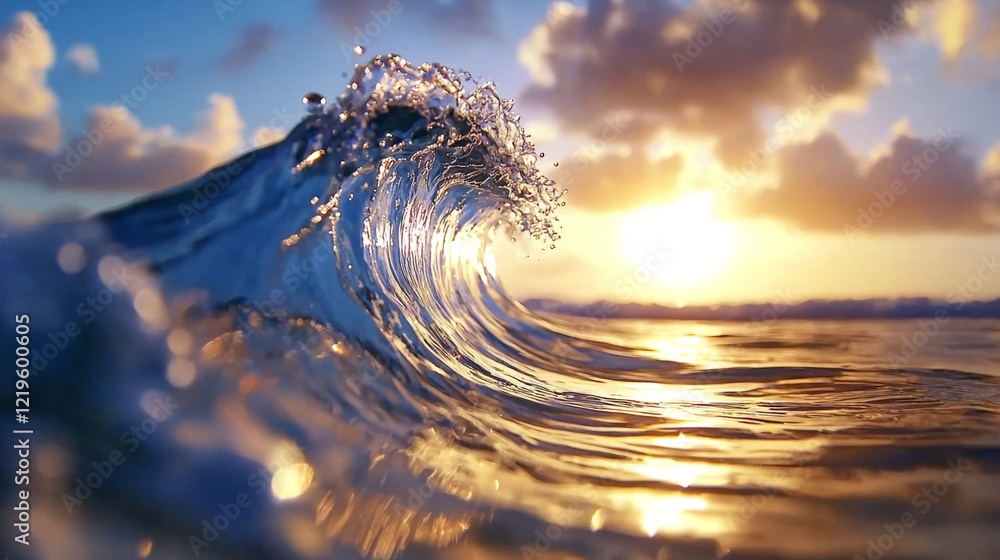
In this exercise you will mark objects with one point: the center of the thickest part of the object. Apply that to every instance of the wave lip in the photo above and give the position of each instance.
(376, 218)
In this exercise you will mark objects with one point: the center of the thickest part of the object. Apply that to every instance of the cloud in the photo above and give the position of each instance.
(919, 185)
(991, 171)
(117, 154)
(702, 69)
(366, 18)
(541, 131)
(29, 124)
(981, 36)
(614, 182)
(954, 22)
(84, 58)
(265, 135)
(991, 44)
(991, 162)
(254, 42)
(709, 71)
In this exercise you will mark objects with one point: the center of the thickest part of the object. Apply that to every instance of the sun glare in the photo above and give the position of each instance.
(679, 243)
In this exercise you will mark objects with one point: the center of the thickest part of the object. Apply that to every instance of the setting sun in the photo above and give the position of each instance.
(679, 243)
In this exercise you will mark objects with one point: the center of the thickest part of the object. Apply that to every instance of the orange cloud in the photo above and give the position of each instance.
(28, 120)
(117, 153)
(614, 182)
(706, 69)
(953, 25)
(84, 58)
(921, 184)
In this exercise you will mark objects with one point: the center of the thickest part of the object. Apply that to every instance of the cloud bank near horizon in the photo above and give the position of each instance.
(707, 72)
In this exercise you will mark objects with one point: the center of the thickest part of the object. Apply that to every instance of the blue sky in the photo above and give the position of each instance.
(192, 37)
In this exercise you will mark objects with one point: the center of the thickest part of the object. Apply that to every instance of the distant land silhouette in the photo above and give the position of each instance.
(903, 308)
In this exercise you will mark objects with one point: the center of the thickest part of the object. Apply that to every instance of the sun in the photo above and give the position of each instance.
(681, 243)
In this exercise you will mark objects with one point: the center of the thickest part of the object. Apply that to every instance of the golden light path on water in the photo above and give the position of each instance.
(729, 462)
(675, 476)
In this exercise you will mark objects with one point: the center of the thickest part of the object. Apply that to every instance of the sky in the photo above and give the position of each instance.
(718, 151)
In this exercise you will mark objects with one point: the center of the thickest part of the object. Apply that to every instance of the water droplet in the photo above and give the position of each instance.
(359, 50)
(556, 164)
(343, 74)
(541, 154)
(313, 102)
